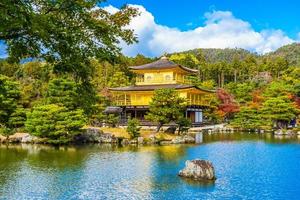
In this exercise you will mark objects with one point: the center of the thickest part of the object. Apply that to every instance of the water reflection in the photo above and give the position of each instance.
(242, 163)
(266, 137)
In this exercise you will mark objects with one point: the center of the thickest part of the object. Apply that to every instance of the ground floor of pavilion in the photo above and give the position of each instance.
(194, 113)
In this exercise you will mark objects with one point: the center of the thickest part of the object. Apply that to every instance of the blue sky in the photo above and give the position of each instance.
(167, 26)
(262, 14)
(174, 26)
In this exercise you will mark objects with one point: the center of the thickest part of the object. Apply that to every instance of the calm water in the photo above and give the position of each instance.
(247, 167)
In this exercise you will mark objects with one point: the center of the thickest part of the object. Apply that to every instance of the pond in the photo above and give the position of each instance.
(248, 166)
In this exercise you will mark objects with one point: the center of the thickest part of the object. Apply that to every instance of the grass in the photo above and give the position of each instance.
(121, 132)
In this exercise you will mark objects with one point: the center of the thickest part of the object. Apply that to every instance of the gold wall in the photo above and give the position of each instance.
(143, 98)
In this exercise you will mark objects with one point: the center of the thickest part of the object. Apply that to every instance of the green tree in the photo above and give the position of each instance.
(166, 106)
(279, 111)
(112, 120)
(55, 122)
(17, 118)
(133, 128)
(248, 118)
(119, 79)
(186, 59)
(183, 124)
(242, 92)
(8, 69)
(278, 88)
(9, 97)
(62, 91)
(66, 33)
(277, 65)
(73, 95)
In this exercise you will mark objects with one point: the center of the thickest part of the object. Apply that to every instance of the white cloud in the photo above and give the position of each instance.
(220, 30)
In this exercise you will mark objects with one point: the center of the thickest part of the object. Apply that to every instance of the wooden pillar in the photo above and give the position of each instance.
(135, 112)
(125, 99)
(125, 115)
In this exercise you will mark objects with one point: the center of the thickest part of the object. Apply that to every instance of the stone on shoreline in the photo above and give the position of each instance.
(188, 139)
(183, 139)
(2, 139)
(125, 142)
(165, 142)
(95, 135)
(90, 135)
(284, 132)
(198, 170)
(140, 140)
(29, 139)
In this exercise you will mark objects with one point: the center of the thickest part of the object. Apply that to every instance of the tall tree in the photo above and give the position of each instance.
(9, 97)
(67, 33)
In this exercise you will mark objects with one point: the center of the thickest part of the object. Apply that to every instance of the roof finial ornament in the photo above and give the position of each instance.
(164, 57)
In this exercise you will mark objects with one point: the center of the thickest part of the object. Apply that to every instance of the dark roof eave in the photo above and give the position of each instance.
(206, 90)
(194, 71)
(154, 87)
(163, 63)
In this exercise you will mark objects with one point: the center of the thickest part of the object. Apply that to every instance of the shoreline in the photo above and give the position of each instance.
(117, 136)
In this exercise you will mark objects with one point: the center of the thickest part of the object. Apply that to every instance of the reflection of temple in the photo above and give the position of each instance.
(133, 101)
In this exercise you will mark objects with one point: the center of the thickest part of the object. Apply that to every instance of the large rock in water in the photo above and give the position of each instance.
(198, 170)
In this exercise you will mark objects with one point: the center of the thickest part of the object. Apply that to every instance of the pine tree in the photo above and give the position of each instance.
(166, 106)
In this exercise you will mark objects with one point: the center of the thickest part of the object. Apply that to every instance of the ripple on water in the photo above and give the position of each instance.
(252, 167)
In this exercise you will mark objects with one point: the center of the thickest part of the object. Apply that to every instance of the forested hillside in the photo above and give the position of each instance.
(218, 55)
(289, 52)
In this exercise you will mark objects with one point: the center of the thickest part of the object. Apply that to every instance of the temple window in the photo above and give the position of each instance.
(149, 78)
(167, 77)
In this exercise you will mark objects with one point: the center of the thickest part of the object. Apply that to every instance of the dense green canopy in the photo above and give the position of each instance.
(66, 33)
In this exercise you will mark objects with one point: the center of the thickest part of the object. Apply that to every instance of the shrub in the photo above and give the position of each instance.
(133, 128)
(55, 122)
(112, 120)
(183, 124)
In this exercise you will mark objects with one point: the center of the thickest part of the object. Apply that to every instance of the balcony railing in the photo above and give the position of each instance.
(203, 101)
(200, 100)
(162, 80)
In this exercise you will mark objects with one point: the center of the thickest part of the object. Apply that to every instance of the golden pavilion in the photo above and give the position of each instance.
(133, 101)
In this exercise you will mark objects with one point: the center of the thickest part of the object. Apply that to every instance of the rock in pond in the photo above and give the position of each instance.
(198, 170)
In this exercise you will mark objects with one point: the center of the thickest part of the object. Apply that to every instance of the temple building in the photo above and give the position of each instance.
(133, 101)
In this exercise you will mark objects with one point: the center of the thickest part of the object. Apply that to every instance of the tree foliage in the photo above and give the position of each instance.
(55, 122)
(279, 111)
(228, 105)
(242, 91)
(9, 97)
(112, 120)
(133, 128)
(248, 118)
(183, 124)
(66, 33)
(166, 106)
